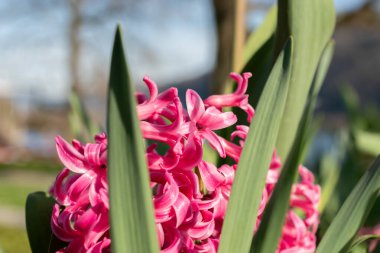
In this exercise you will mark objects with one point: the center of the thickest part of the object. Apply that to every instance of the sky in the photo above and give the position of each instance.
(171, 40)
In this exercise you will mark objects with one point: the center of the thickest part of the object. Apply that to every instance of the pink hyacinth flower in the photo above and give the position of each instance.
(190, 195)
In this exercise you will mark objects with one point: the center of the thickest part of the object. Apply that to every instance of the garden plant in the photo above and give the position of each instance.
(220, 174)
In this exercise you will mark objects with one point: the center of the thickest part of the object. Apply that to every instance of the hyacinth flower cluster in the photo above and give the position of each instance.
(190, 195)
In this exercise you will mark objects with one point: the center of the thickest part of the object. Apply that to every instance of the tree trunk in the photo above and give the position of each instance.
(75, 44)
(230, 22)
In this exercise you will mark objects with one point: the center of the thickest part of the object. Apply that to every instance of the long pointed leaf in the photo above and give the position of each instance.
(254, 162)
(258, 37)
(132, 219)
(362, 239)
(268, 235)
(260, 65)
(82, 126)
(329, 177)
(368, 142)
(311, 23)
(353, 213)
(258, 53)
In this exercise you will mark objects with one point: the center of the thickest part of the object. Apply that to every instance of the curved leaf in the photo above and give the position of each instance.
(353, 212)
(368, 142)
(362, 239)
(38, 212)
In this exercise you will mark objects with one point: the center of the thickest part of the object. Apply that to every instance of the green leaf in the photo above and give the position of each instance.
(82, 126)
(329, 173)
(131, 208)
(311, 23)
(269, 233)
(260, 36)
(351, 103)
(362, 239)
(368, 142)
(258, 53)
(260, 66)
(361, 248)
(353, 212)
(267, 237)
(258, 58)
(38, 213)
(254, 162)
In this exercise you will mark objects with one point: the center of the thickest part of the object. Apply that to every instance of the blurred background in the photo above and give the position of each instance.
(49, 48)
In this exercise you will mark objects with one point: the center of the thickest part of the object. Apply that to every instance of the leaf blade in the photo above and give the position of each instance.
(311, 28)
(38, 211)
(368, 142)
(258, 37)
(131, 207)
(81, 124)
(248, 183)
(362, 239)
(268, 235)
(355, 209)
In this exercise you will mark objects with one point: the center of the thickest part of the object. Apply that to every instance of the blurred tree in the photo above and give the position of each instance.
(231, 31)
(76, 21)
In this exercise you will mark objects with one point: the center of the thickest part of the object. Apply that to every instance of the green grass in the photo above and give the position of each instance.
(39, 165)
(13, 240)
(15, 195)
(15, 185)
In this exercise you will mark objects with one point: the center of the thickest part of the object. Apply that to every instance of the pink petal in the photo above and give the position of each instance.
(160, 233)
(147, 109)
(100, 246)
(214, 141)
(188, 183)
(249, 110)
(206, 204)
(214, 119)
(56, 228)
(210, 175)
(230, 148)
(228, 173)
(86, 220)
(70, 157)
(241, 132)
(76, 245)
(92, 153)
(101, 138)
(60, 194)
(242, 82)
(152, 88)
(172, 240)
(169, 195)
(192, 154)
(77, 190)
(205, 247)
(181, 207)
(195, 105)
(204, 227)
(155, 132)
